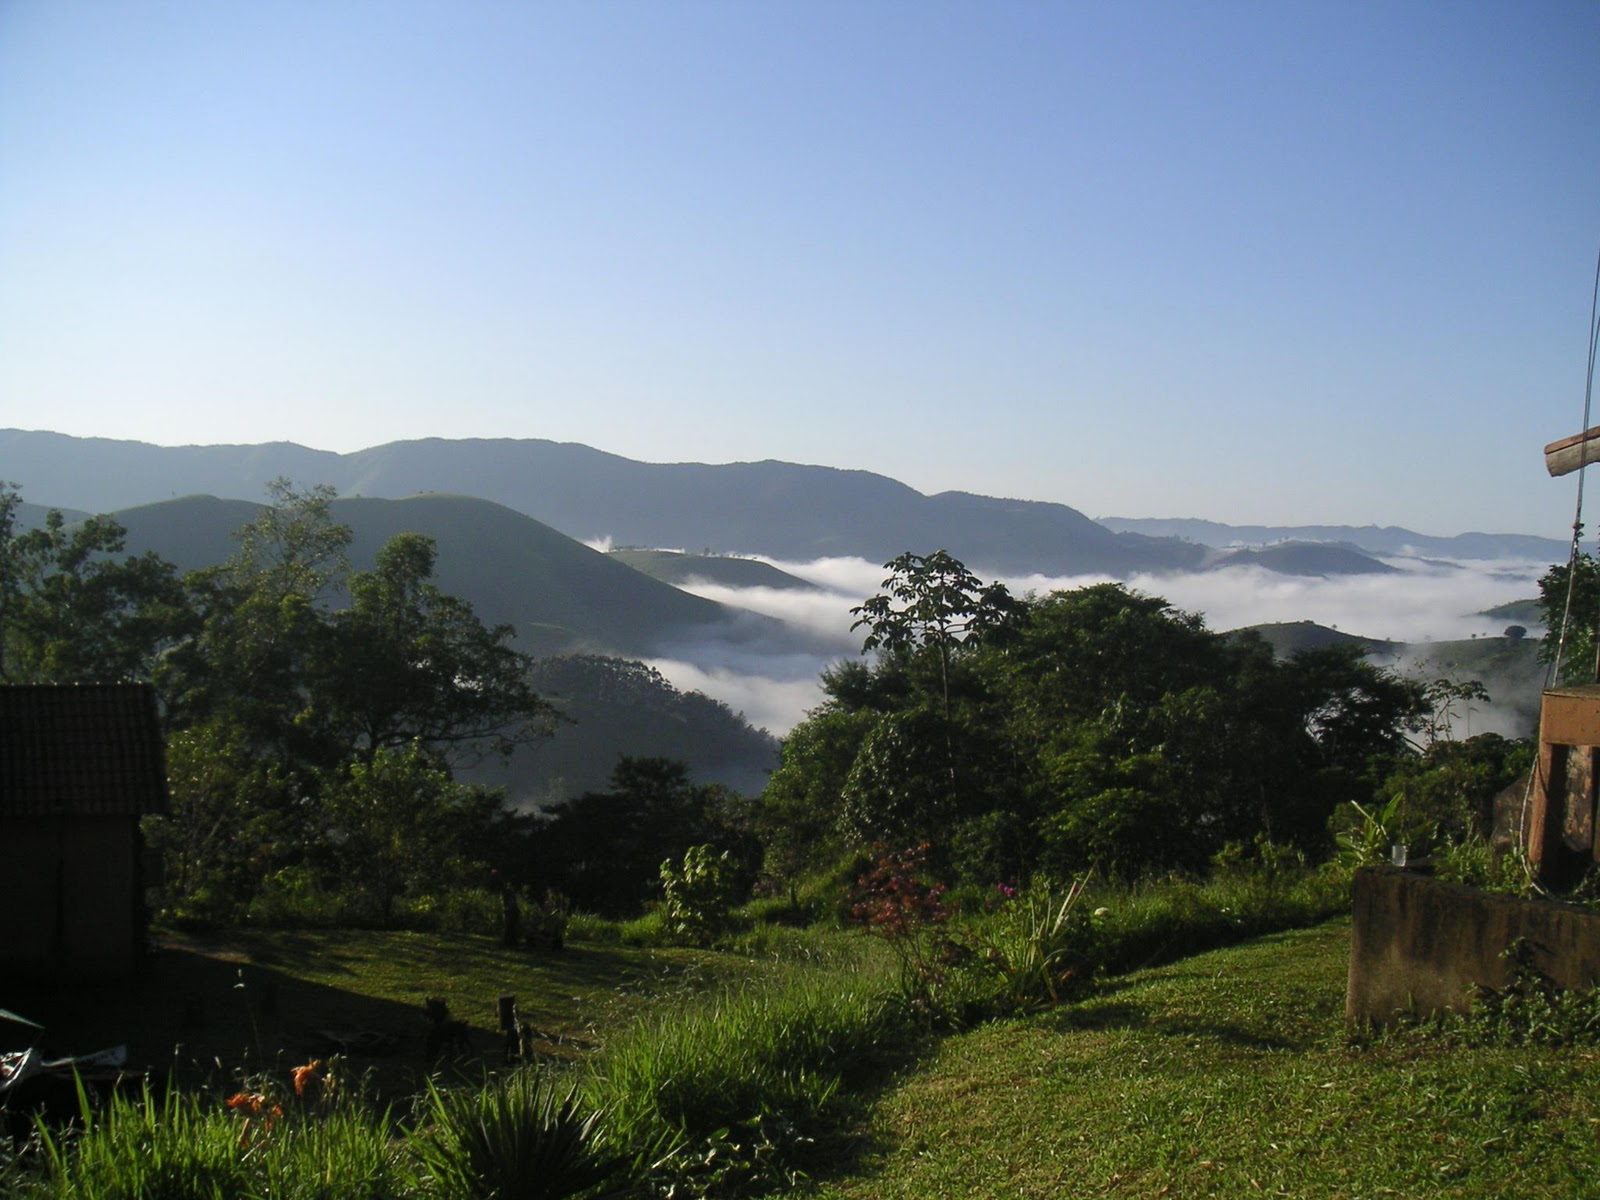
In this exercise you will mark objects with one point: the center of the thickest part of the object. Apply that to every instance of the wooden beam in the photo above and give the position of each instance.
(1567, 455)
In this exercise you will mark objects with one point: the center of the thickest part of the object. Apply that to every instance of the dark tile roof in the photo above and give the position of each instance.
(84, 749)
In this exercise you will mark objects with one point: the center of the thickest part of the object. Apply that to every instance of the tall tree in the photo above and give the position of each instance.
(409, 663)
(605, 849)
(1569, 601)
(398, 823)
(1093, 726)
(71, 611)
(260, 627)
(931, 602)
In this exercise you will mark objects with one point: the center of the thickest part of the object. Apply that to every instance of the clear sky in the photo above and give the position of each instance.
(1265, 262)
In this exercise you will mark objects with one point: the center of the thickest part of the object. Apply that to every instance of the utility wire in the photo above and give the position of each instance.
(1554, 673)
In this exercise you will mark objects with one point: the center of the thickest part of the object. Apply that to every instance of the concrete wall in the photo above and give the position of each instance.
(1419, 944)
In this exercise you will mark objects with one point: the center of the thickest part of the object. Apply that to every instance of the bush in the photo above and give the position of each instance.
(1038, 947)
(521, 1136)
(699, 895)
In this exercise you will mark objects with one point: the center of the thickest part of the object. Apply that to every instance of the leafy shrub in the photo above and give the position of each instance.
(699, 894)
(1532, 1007)
(588, 927)
(648, 930)
(452, 910)
(896, 902)
(291, 898)
(521, 1136)
(1474, 862)
(1363, 835)
(1037, 948)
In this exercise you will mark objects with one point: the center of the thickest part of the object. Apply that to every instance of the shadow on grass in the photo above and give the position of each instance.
(200, 1018)
(210, 1009)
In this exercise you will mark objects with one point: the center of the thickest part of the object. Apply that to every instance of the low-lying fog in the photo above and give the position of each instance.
(773, 682)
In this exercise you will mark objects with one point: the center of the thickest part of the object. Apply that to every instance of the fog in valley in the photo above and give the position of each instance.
(772, 678)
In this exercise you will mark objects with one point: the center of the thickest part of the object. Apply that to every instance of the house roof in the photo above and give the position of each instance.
(86, 749)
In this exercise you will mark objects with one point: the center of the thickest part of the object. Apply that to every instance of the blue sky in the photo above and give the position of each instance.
(1253, 262)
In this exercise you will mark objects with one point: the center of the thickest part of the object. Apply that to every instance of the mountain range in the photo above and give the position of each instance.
(1369, 539)
(781, 510)
(511, 519)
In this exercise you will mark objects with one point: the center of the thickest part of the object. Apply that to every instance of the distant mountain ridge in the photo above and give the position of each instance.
(782, 510)
(1373, 539)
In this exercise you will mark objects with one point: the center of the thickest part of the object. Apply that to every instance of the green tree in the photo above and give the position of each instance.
(801, 818)
(928, 760)
(293, 546)
(604, 849)
(233, 820)
(1449, 790)
(397, 823)
(71, 611)
(931, 602)
(406, 662)
(1099, 726)
(1569, 602)
(260, 631)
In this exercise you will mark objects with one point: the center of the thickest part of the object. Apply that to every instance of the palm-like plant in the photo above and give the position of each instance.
(517, 1138)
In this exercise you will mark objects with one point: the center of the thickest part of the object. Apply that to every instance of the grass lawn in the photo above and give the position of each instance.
(1228, 1074)
(188, 1011)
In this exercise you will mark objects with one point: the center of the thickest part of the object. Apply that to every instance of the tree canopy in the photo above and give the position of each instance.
(313, 714)
(1093, 727)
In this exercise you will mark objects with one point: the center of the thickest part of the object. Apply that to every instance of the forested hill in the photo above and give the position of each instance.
(677, 568)
(559, 594)
(783, 510)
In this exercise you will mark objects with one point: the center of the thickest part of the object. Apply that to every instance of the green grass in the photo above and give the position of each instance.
(188, 1013)
(1229, 1074)
(743, 1080)
(1226, 1073)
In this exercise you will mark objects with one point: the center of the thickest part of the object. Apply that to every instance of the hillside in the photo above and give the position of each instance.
(558, 593)
(616, 707)
(671, 566)
(1528, 612)
(1509, 669)
(1305, 558)
(561, 597)
(783, 510)
(1288, 638)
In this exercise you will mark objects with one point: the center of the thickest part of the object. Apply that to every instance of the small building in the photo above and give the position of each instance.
(79, 767)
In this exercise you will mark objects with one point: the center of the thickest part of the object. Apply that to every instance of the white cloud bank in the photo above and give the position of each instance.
(774, 680)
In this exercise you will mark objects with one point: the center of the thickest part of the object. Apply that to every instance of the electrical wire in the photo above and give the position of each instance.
(1554, 672)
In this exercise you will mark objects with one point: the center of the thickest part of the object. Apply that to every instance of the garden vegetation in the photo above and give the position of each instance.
(1008, 803)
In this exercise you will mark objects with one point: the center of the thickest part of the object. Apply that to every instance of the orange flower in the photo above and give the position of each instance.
(304, 1075)
(247, 1100)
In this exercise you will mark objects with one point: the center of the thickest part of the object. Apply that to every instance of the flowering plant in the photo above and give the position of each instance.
(895, 901)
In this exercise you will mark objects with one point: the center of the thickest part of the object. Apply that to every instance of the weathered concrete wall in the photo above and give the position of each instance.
(1422, 945)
